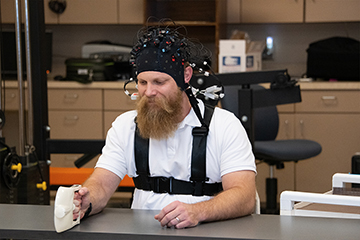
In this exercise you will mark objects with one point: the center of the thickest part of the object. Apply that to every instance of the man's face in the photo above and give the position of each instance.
(159, 106)
(156, 84)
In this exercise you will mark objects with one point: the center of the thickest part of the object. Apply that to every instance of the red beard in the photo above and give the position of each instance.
(158, 117)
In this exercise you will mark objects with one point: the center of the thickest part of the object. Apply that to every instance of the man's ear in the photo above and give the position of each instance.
(188, 74)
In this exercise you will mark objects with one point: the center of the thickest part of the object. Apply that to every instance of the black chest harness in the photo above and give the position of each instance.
(197, 185)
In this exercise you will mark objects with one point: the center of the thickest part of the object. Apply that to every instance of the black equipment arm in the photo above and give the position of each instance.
(282, 90)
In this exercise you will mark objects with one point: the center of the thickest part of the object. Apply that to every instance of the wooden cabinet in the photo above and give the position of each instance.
(262, 11)
(103, 12)
(8, 12)
(328, 116)
(331, 118)
(233, 11)
(332, 10)
(292, 11)
(74, 114)
(131, 11)
(84, 12)
(90, 12)
(275, 11)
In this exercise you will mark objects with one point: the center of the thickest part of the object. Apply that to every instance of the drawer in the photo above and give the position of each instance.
(76, 124)
(67, 160)
(11, 101)
(329, 101)
(286, 108)
(118, 100)
(59, 99)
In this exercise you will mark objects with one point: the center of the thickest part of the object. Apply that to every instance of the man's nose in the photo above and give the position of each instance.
(150, 90)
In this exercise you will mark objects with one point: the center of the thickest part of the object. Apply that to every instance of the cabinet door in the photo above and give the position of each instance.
(332, 10)
(117, 100)
(90, 12)
(275, 11)
(131, 11)
(76, 124)
(75, 99)
(8, 12)
(233, 11)
(339, 137)
(286, 126)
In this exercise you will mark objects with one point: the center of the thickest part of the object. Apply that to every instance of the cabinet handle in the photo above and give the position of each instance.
(71, 96)
(302, 128)
(71, 118)
(287, 129)
(328, 98)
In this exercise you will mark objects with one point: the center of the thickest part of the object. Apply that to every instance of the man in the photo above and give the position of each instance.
(154, 144)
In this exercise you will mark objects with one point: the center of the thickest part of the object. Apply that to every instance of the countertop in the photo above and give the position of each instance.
(34, 221)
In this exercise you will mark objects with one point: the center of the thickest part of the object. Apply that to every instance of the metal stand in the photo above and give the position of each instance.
(33, 172)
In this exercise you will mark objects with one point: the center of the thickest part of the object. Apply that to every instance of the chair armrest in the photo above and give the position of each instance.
(339, 179)
(288, 199)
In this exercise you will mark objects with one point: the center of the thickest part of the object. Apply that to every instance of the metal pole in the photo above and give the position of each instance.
(30, 125)
(1, 119)
(20, 78)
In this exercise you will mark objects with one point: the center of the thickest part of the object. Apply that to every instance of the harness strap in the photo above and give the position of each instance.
(141, 148)
(198, 159)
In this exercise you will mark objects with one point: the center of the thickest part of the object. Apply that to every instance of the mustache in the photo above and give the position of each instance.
(159, 101)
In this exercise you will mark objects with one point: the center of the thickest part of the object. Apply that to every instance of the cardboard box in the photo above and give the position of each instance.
(238, 56)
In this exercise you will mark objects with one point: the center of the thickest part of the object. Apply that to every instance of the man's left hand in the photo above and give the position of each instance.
(179, 215)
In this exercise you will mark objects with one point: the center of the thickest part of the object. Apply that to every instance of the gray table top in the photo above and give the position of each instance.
(37, 222)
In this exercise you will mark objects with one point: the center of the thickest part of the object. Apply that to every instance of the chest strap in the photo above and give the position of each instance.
(197, 185)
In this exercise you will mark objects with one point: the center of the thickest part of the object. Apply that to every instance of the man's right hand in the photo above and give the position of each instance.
(81, 202)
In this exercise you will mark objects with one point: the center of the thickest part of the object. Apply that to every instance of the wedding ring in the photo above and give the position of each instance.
(177, 219)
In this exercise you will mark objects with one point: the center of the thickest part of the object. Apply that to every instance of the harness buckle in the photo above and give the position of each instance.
(198, 188)
(163, 185)
(200, 131)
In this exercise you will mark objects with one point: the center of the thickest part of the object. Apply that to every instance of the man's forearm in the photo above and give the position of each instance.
(231, 203)
(101, 188)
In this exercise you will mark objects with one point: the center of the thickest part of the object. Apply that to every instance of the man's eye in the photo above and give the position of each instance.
(142, 82)
(159, 82)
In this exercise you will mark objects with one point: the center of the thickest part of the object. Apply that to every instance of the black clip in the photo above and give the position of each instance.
(163, 185)
(198, 188)
(200, 131)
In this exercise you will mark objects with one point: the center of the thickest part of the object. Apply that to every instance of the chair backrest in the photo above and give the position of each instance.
(266, 119)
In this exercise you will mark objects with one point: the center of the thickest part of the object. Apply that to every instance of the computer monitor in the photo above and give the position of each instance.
(8, 53)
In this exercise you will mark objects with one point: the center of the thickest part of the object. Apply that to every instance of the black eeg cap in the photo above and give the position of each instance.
(163, 50)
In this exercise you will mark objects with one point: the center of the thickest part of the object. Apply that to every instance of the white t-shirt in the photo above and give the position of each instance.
(228, 150)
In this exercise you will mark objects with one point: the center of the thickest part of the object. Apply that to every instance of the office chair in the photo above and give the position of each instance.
(265, 147)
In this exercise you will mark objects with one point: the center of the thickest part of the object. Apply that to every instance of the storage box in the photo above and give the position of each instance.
(238, 56)
(86, 70)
